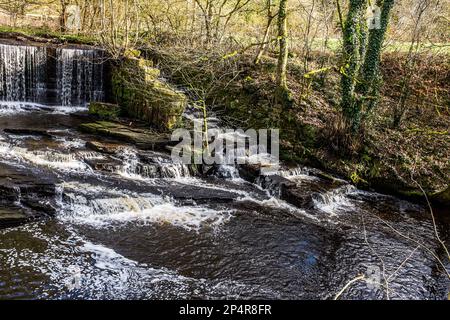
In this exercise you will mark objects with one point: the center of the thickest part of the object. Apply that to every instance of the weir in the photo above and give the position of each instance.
(50, 75)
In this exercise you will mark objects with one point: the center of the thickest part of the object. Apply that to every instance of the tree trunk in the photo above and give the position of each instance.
(63, 16)
(370, 70)
(208, 22)
(352, 62)
(283, 43)
(264, 43)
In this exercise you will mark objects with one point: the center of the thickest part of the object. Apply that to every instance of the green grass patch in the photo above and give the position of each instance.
(50, 34)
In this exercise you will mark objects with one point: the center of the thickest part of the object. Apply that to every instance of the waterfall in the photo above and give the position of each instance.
(54, 76)
(22, 72)
(80, 77)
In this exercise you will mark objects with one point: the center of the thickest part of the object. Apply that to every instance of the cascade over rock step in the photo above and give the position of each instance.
(301, 195)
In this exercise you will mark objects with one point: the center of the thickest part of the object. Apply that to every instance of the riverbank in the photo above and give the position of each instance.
(93, 206)
(44, 35)
(395, 160)
(398, 161)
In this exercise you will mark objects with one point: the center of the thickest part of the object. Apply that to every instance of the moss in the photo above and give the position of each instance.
(132, 53)
(105, 110)
(137, 89)
(442, 197)
(50, 34)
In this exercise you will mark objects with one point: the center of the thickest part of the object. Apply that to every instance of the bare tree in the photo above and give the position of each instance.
(265, 40)
(283, 90)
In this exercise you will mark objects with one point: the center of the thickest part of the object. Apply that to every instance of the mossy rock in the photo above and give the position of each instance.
(142, 138)
(132, 53)
(142, 96)
(104, 110)
(442, 197)
(151, 73)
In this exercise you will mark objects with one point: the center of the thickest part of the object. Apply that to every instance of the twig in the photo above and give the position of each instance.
(358, 278)
(403, 263)
(432, 218)
(383, 265)
(418, 243)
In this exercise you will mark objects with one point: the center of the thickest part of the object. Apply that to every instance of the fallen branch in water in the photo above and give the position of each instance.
(383, 265)
(358, 278)
(418, 244)
(403, 263)
(432, 217)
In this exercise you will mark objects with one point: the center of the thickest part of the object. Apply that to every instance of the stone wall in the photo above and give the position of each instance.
(142, 95)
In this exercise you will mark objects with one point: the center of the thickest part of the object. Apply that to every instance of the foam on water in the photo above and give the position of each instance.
(335, 201)
(103, 210)
(17, 107)
(78, 268)
(277, 203)
(48, 158)
(133, 168)
(187, 217)
(9, 108)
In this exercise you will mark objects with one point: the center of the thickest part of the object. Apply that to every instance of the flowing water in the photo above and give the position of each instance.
(139, 226)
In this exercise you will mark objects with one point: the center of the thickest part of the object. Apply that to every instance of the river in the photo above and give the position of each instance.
(131, 224)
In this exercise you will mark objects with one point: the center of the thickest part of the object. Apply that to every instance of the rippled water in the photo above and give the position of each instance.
(148, 228)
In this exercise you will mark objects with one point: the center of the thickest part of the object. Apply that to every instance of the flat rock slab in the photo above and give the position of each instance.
(25, 196)
(200, 195)
(103, 147)
(143, 138)
(11, 216)
(27, 131)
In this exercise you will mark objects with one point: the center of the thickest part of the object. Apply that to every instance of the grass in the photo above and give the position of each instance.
(50, 34)
(334, 45)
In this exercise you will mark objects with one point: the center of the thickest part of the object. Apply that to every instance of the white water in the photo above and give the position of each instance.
(22, 69)
(76, 75)
(25, 76)
(335, 201)
(108, 212)
(100, 205)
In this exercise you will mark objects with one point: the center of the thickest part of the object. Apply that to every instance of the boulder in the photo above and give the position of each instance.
(442, 197)
(103, 110)
(249, 172)
(275, 184)
(103, 147)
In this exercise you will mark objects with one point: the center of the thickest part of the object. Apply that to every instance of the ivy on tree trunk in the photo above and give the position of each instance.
(283, 94)
(361, 79)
